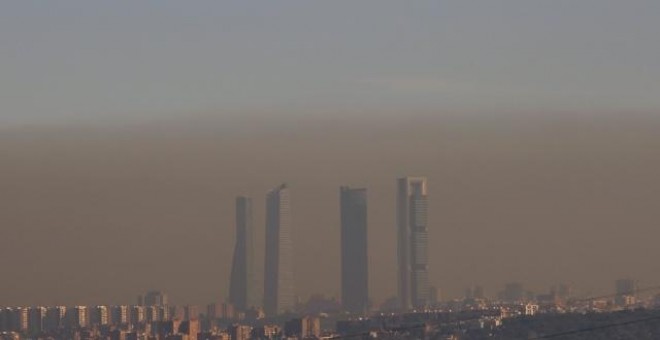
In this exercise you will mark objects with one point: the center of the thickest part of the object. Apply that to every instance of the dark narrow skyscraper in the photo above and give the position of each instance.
(242, 290)
(278, 266)
(354, 261)
(412, 242)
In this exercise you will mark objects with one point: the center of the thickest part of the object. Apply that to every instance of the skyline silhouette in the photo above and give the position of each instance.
(566, 191)
(127, 130)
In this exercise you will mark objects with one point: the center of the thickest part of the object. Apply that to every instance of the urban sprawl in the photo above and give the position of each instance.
(274, 312)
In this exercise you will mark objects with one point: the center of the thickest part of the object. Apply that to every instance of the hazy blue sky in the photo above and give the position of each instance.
(85, 61)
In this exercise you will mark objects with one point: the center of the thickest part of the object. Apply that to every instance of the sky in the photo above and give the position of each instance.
(69, 61)
(127, 129)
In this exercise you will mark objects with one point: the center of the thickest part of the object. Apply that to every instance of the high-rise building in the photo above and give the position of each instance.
(155, 298)
(354, 260)
(191, 312)
(278, 266)
(240, 332)
(99, 316)
(10, 319)
(242, 287)
(4, 320)
(190, 329)
(119, 315)
(78, 317)
(178, 313)
(153, 314)
(213, 311)
(626, 292)
(412, 242)
(23, 319)
(55, 318)
(268, 331)
(478, 292)
(138, 315)
(434, 296)
(307, 327)
(513, 292)
(36, 319)
(564, 291)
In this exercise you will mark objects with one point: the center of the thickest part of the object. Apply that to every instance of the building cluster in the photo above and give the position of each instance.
(476, 314)
(153, 319)
(515, 300)
(150, 319)
(274, 312)
(278, 290)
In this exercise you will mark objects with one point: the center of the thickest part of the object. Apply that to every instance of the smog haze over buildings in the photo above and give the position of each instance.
(127, 130)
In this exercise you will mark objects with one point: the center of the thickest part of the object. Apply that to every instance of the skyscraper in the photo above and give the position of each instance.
(278, 266)
(242, 289)
(412, 242)
(155, 298)
(354, 263)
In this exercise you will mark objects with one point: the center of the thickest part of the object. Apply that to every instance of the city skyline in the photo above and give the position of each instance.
(127, 129)
(542, 196)
(279, 294)
(318, 170)
(222, 322)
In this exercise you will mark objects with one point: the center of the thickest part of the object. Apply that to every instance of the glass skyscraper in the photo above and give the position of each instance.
(242, 288)
(354, 260)
(412, 242)
(278, 267)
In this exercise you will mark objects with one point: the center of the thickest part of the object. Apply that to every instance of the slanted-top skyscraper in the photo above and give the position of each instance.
(278, 266)
(354, 261)
(412, 242)
(242, 288)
